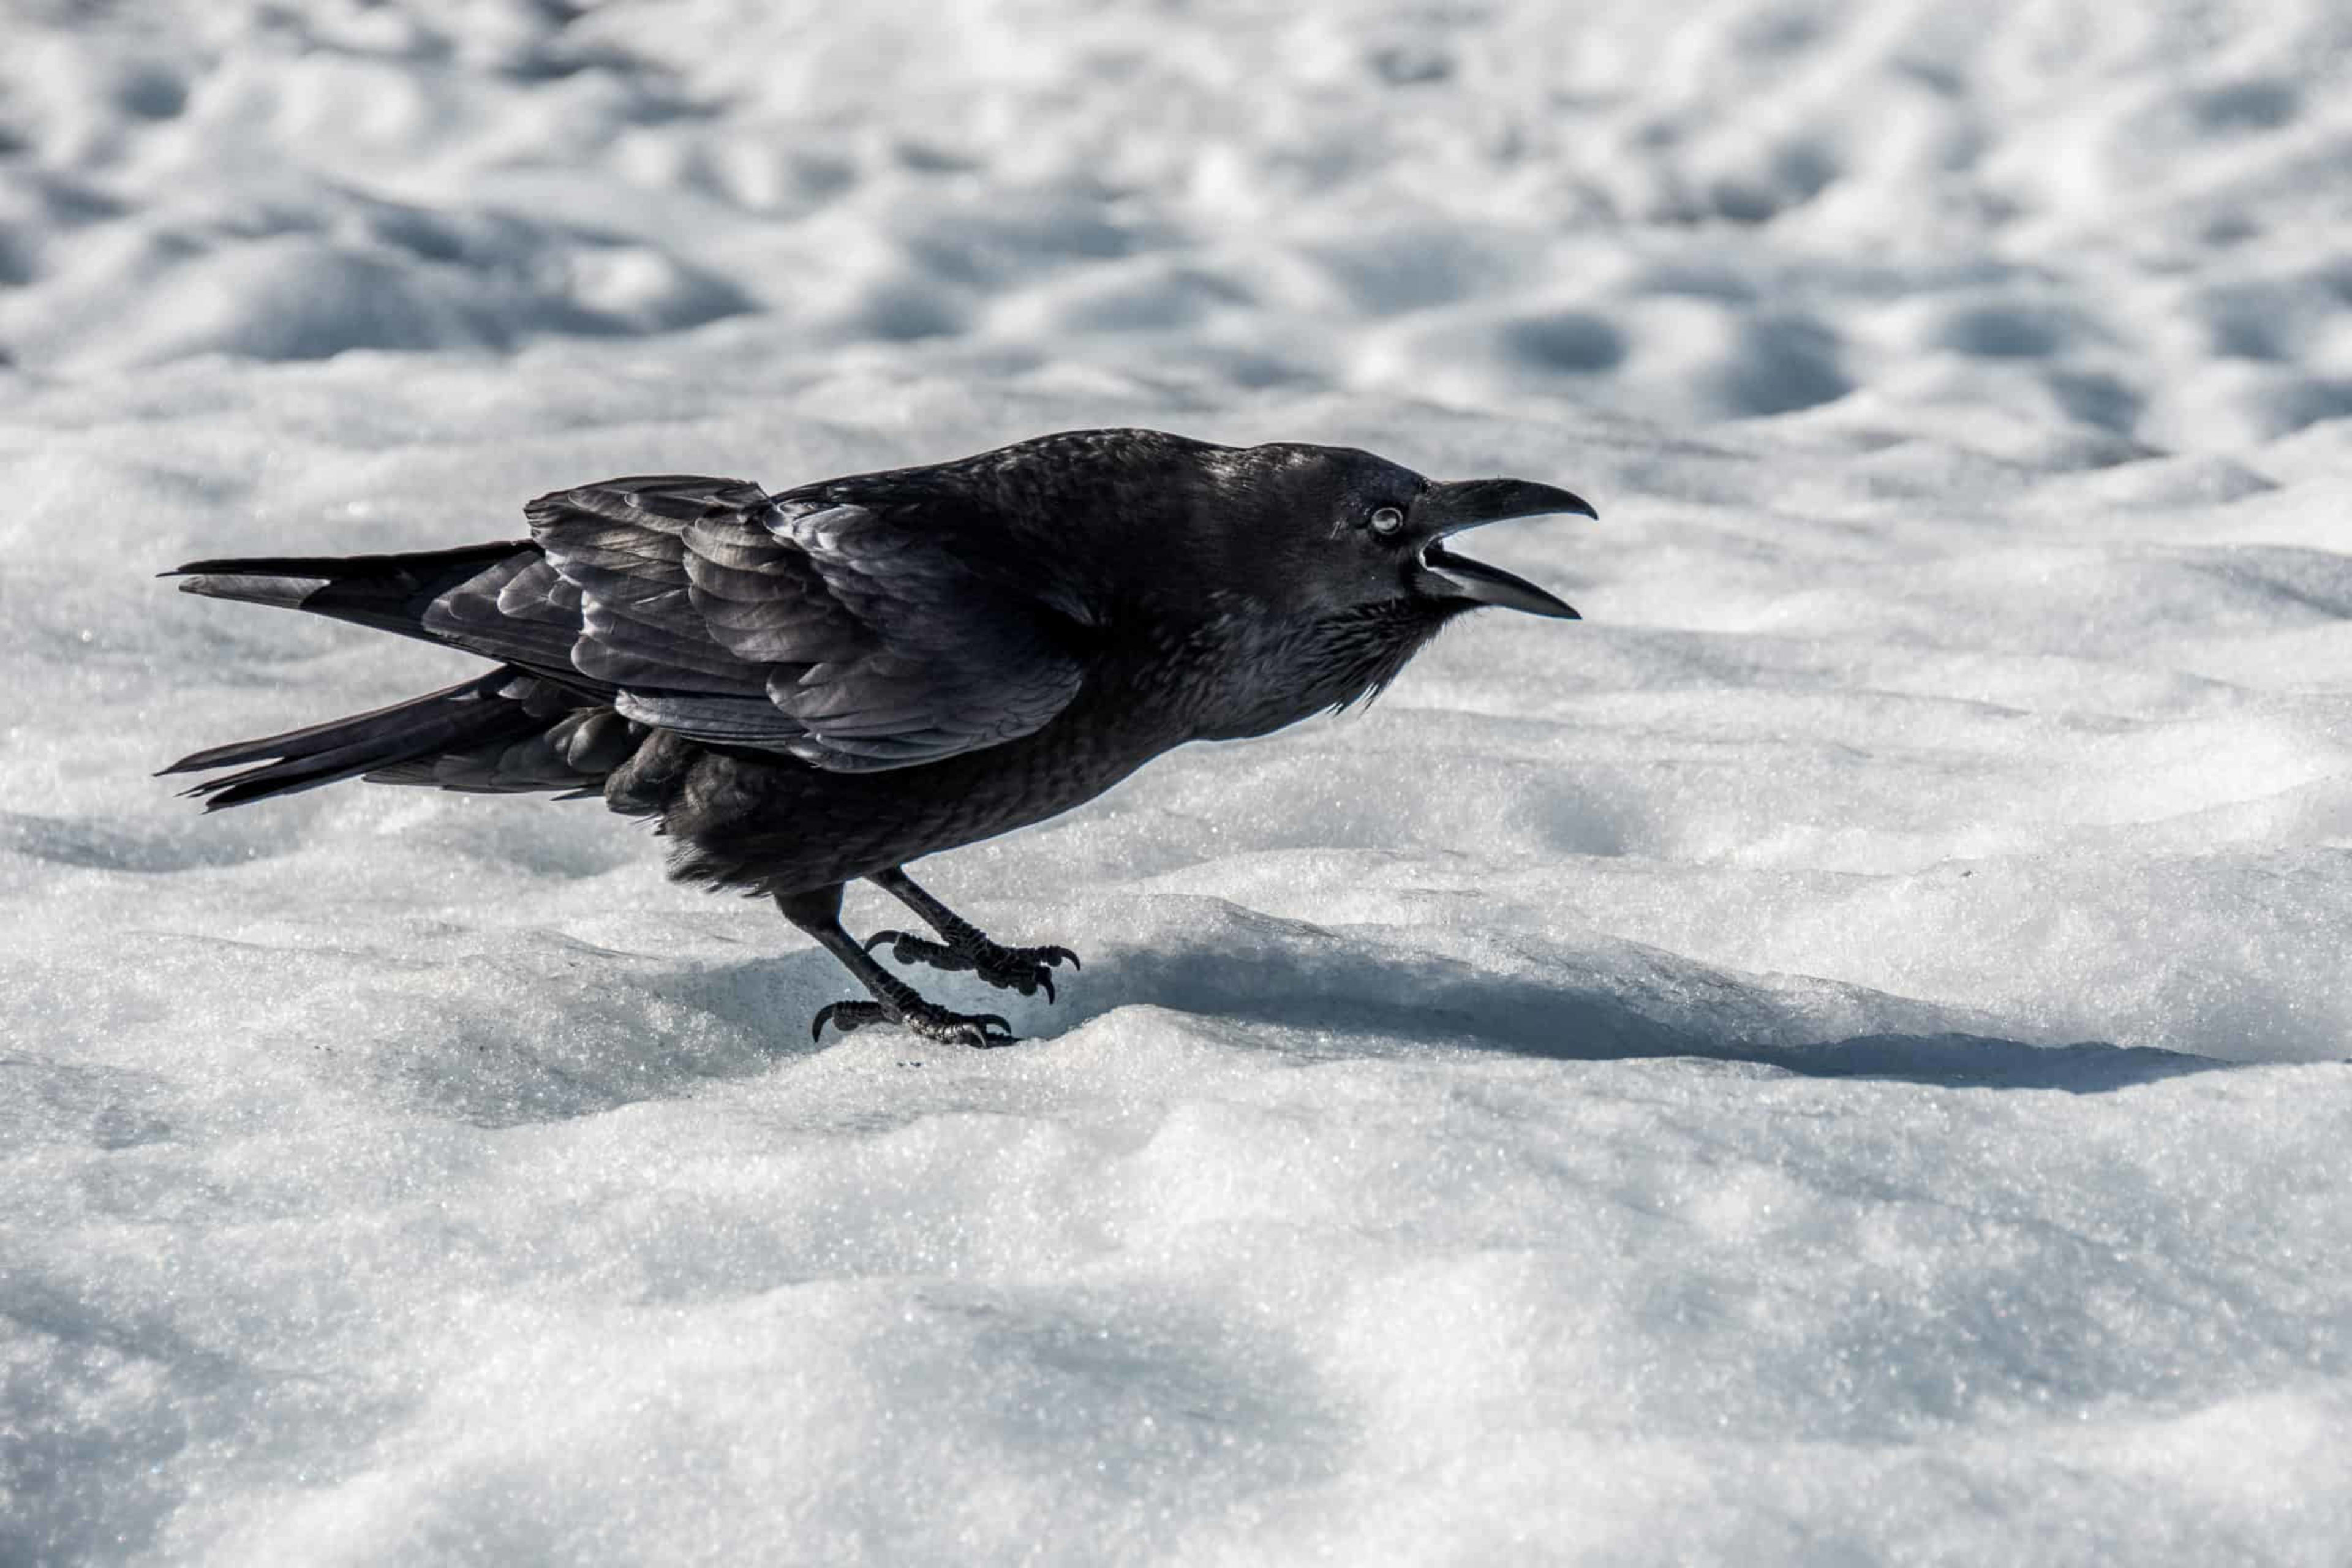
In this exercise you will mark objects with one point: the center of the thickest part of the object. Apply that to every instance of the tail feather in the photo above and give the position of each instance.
(573, 754)
(535, 722)
(504, 706)
(391, 593)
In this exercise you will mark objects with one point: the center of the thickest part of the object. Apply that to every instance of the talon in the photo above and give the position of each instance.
(1021, 969)
(936, 1023)
(846, 1016)
(974, 1032)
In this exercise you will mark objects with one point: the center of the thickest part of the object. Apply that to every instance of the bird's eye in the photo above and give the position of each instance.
(1386, 520)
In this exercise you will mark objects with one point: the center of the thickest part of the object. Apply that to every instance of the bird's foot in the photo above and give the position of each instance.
(927, 1019)
(1024, 969)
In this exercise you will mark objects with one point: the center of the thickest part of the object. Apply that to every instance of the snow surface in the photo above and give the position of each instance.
(1838, 1058)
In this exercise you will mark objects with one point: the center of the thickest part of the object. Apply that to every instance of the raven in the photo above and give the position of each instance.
(827, 683)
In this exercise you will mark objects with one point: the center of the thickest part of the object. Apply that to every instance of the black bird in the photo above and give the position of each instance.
(831, 681)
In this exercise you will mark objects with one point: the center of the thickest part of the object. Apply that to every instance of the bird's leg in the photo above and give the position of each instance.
(818, 912)
(1022, 969)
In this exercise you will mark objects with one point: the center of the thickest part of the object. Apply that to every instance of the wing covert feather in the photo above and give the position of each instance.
(853, 639)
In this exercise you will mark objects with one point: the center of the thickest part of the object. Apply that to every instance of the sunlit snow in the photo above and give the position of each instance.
(1837, 1058)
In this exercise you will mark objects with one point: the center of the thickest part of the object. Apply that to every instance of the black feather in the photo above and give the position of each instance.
(866, 638)
(502, 706)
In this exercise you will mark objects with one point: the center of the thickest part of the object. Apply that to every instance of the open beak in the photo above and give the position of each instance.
(1448, 508)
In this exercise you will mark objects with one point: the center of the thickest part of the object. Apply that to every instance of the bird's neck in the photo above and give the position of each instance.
(1247, 674)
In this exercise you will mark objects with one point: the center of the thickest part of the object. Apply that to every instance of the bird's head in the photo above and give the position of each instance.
(1332, 529)
(1329, 568)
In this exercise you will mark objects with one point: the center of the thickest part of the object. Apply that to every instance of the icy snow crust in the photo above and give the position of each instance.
(1837, 1058)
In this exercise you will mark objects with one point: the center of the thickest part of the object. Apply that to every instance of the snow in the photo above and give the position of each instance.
(1839, 1057)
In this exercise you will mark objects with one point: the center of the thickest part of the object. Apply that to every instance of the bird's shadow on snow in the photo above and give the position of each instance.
(1429, 1002)
(1629, 1005)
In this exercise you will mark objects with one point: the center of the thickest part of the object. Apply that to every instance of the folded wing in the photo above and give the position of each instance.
(852, 638)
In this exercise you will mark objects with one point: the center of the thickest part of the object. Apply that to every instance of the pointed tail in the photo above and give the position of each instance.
(495, 711)
(391, 593)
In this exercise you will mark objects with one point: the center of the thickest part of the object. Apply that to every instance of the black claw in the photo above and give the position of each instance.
(973, 1031)
(922, 1018)
(959, 1028)
(848, 1017)
(1021, 969)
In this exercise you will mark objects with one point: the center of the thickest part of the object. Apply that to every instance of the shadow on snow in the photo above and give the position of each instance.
(1440, 1001)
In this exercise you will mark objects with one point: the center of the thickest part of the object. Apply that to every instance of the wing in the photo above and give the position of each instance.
(852, 638)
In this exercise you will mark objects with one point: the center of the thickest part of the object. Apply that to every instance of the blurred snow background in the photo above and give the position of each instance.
(1838, 1058)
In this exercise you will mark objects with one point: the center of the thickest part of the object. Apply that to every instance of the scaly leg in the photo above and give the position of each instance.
(1022, 969)
(818, 912)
